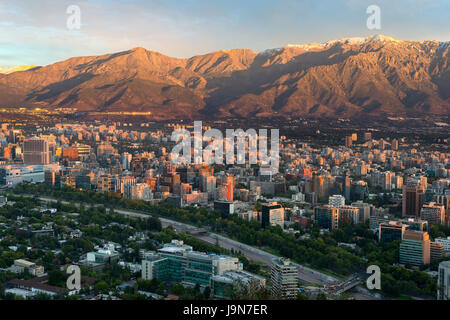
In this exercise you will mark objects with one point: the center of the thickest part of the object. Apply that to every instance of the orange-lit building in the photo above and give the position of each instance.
(70, 154)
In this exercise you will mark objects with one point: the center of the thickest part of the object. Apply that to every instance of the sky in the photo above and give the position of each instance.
(36, 32)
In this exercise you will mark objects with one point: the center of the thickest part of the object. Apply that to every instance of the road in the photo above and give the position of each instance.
(305, 274)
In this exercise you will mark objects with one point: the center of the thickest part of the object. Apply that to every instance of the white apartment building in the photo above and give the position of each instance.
(444, 281)
(445, 242)
(336, 200)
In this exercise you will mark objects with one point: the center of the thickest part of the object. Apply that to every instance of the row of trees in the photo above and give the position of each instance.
(319, 251)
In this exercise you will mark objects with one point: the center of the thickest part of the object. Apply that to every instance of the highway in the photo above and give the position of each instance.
(305, 274)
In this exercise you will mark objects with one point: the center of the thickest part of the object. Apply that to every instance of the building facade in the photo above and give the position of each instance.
(284, 279)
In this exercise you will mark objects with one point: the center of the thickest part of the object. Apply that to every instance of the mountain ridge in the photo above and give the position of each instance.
(349, 77)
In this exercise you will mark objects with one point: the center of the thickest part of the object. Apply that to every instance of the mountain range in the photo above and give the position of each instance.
(8, 70)
(352, 77)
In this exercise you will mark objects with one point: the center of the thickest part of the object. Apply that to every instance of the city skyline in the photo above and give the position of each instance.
(136, 163)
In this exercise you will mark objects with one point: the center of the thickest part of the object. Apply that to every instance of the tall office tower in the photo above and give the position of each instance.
(52, 178)
(272, 214)
(347, 215)
(207, 183)
(36, 151)
(226, 192)
(7, 153)
(125, 185)
(336, 200)
(391, 231)
(326, 217)
(204, 173)
(415, 248)
(413, 199)
(394, 144)
(347, 187)
(444, 281)
(382, 144)
(398, 182)
(364, 210)
(321, 185)
(385, 180)
(284, 279)
(433, 213)
(126, 160)
(348, 141)
(210, 184)
(231, 180)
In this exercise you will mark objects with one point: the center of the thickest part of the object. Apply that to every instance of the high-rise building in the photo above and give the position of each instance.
(52, 178)
(272, 214)
(415, 248)
(155, 267)
(224, 285)
(348, 141)
(347, 215)
(326, 217)
(107, 183)
(126, 160)
(444, 281)
(84, 151)
(7, 153)
(394, 144)
(391, 231)
(284, 279)
(231, 180)
(226, 192)
(445, 242)
(364, 210)
(36, 151)
(225, 207)
(358, 190)
(177, 262)
(436, 251)
(415, 224)
(347, 187)
(320, 185)
(433, 213)
(413, 199)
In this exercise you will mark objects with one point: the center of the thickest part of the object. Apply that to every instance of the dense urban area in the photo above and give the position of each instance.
(107, 197)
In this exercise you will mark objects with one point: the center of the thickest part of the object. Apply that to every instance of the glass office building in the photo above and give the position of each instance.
(177, 262)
